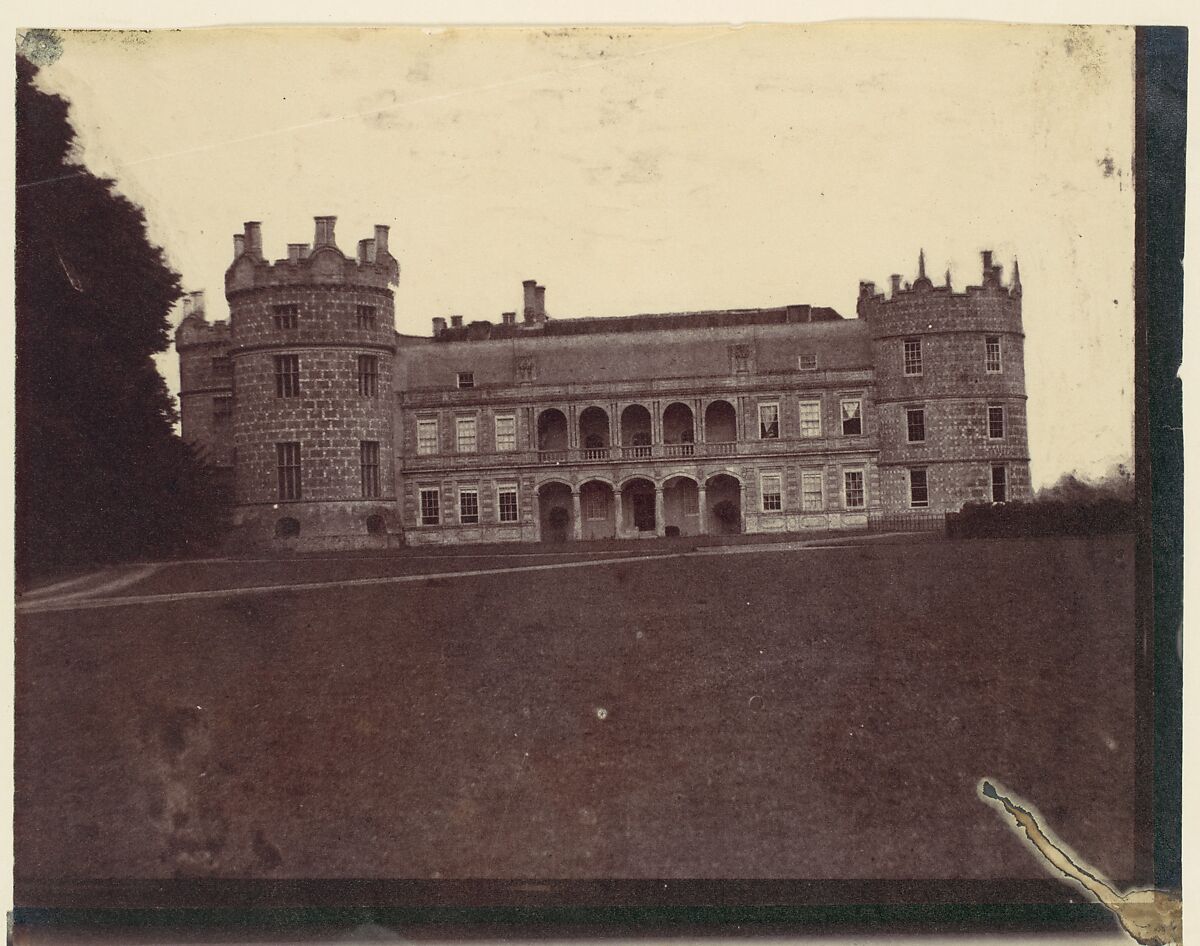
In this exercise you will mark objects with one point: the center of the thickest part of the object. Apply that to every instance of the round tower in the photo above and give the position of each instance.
(312, 345)
(949, 390)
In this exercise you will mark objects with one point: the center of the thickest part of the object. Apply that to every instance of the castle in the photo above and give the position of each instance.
(336, 431)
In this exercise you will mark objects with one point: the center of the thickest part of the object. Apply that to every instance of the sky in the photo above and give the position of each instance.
(655, 170)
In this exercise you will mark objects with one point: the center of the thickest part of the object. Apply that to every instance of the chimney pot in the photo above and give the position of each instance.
(198, 301)
(239, 244)
(253, 237)
(324, 231)
(295, 251)
(456, 321)
(895, 283)
(366, 251)
(987, 260)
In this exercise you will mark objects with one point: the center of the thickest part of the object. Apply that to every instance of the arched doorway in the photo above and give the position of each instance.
(597, 510)
(724, 501)
(720, 422)
(637, 507)
(635, 431)
(679, 430)
(594, 437)
(554, 511)
(681, 506)
(552, 433)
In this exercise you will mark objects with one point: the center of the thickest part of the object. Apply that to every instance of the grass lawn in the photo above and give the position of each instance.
(818, 714)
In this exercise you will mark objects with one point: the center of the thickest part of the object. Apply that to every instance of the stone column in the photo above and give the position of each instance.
(576, 522)
(660, 524)
(656, 424)
(698, 420)
(572, 427)
(537, 514)
(619, 506)
(702, 499)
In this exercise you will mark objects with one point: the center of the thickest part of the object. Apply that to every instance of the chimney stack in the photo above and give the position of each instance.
(197, 301)
(530, 287)
(987, 261)
(439, 325)
(366, 251)
(239, 244)
(324, 231)
(187, 304)
(539, 301)
(253, 238)
(296, 252)
(456, 321)
(381, 242)
(509, 318)
(895, 283)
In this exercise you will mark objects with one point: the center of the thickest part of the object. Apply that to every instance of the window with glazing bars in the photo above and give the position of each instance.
(810, 418)
(468, 506)
(916, 424)
(768, 421)
(852, 418)
(430, 506)
(286, 316)
(995, 423)
(364, 316)
(506, 501)
(999, 484)
(912, 356)
(812, 492)
(918, 488)
(772, 492)
(287, 375)
(287, 456)
(368, 375)
(506, 432)
(427, 436)
(855, 490)
(991, 357)
(466, 434)
(368, 458)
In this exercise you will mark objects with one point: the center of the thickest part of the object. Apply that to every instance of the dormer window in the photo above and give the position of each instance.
(286, 316)
(466, 379)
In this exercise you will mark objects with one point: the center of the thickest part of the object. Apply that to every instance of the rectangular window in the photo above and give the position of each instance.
(287, 375)
(918, 488)
(856, 495)
(222, 410)
(506, 432)
(916, 424)
(991, 359)
(772, 492)
(364, 316)
(768, 421)
(807, 362)
(995, 423)
(286, 316)
(912, 356)
(595, 505)
(506, 502)
(852, 418)
(222, 368)
(287, 456)
(368, 460)
(999, 484)
(466, 379)
(468, 506)
(431, 500)
(810, 418)
(427, 436)
(368, 375)
(465, 437)
(812, 491)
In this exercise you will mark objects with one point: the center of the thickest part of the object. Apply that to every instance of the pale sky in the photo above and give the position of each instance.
(655, 170)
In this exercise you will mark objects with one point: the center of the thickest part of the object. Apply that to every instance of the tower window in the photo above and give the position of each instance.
(916, 424)
(368, 458)
(466, 379)
(287, 456)
(991, 358)
(999, 484)
(286, 316)
(852, 417)
(364, 316)
(368, 375)
(912, 356)
(995, 423)
(918, 488)
(287, 375)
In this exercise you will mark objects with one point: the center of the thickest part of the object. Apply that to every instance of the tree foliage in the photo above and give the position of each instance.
(100, 473)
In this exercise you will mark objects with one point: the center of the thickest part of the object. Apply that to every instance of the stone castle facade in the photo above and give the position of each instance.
(336, 431)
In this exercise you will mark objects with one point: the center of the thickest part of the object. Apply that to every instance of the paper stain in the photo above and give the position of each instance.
(1151, 917)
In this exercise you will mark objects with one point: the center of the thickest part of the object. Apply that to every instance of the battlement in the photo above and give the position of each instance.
(321, 263)
(194, 328)
(992, 284)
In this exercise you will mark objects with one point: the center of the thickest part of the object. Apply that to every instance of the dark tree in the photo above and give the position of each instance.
(100, 473)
